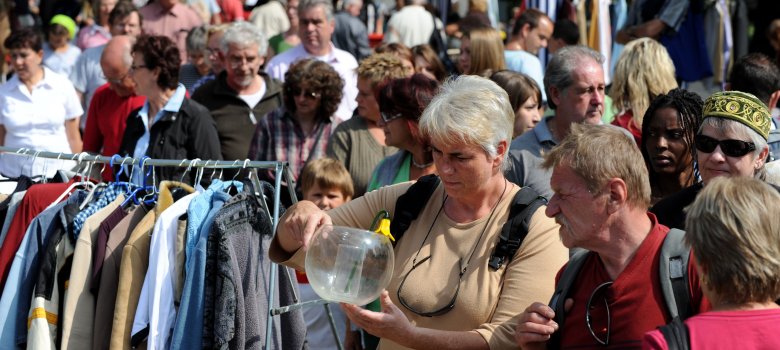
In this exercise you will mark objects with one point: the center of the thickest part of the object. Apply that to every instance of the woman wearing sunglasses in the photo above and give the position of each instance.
(732, 141)
(299, 131)
(668, 129)
(443, 294)
(401, 103)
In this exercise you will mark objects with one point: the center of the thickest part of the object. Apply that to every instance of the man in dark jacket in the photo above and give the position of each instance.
(350, 34)
(242, 94)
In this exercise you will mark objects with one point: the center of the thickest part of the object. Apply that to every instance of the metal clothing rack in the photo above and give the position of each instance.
(281, 170)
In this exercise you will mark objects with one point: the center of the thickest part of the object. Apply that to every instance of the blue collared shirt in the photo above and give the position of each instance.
(173, 106)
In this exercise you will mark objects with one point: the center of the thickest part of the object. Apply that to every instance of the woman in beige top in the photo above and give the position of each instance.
(469, 125)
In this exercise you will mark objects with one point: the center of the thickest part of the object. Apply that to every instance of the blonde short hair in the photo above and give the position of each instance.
(487, 51)
(327, 173)
(381, 68)
(469, 110)
(733, 228)
(643, 71)
(599, 153)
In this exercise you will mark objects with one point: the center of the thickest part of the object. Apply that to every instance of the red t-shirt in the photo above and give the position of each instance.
(106, 123)
(625, 121)
(37, 198)
(636, 302)
(753, 329)
(231, 10)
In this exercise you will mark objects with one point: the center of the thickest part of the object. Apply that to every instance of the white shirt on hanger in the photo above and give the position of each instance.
(155, 305)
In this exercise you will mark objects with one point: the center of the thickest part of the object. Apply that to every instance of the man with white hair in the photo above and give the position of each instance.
(316, 26)
(242, 94)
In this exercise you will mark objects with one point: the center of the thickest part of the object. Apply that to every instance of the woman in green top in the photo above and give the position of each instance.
(284, 41)
(402, 102)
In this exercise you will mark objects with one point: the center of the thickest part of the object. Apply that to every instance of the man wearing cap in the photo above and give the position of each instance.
(732, 141)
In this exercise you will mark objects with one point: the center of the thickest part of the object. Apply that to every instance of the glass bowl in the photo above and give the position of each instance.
(349, 265)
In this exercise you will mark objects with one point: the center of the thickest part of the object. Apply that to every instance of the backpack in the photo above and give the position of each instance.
(672, 273)
(676, 335)
(437, 43)
(524, 205)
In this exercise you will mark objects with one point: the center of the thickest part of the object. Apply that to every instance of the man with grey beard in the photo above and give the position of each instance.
(242, 94)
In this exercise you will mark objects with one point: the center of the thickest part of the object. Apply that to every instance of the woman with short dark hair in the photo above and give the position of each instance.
(39, 109)
(169, 125)
(401, 104)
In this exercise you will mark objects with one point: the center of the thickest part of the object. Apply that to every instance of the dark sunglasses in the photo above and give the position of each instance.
(599, 295)
(731, 148)
(386, 118)
(436, 312)
(306, 93)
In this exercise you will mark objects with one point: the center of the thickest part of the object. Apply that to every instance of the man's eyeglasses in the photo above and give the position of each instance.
(731, 148)
(386, 118)
(117, 80)
(436, 312)
(134, 68)
(306, 93)
(599, 295)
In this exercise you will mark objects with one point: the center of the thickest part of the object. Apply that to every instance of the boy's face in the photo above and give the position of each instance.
(325, 199)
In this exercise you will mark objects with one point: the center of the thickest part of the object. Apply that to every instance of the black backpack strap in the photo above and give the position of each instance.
(676, 335)
(562, 290)
(513, 232)
(410, 204)
(673, 272)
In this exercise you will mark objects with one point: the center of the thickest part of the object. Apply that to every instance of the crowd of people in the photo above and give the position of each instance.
(654, 157)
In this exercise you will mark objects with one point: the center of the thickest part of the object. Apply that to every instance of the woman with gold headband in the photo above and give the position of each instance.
(731, 141)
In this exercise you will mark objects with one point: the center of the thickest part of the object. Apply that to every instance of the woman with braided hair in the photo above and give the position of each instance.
(668, 130)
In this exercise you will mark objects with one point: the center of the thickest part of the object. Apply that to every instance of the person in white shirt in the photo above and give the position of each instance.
(412, 25)
(316, 26)
(39, 109)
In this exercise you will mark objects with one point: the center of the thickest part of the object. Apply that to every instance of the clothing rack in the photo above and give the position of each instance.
(281, 170)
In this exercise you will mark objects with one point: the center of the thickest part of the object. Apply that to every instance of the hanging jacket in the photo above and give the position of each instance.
(187, 134)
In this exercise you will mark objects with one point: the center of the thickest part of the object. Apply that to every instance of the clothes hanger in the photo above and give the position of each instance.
(149, 190)
(256, 189)
(84, 181)
(93, 190)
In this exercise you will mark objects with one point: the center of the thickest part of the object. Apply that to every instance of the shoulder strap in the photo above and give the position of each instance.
(524, 205)
(562, 290)
(676, 335)
(410, 204)
(673, 271)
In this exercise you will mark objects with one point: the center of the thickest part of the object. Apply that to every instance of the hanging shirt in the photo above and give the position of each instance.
(133, 266)
(198, 210)
(50, 285)
(78, 311)
(188, 328)
(108, 195)
(38, 197)
(156, 313)
(15, 300)
(109, 279)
